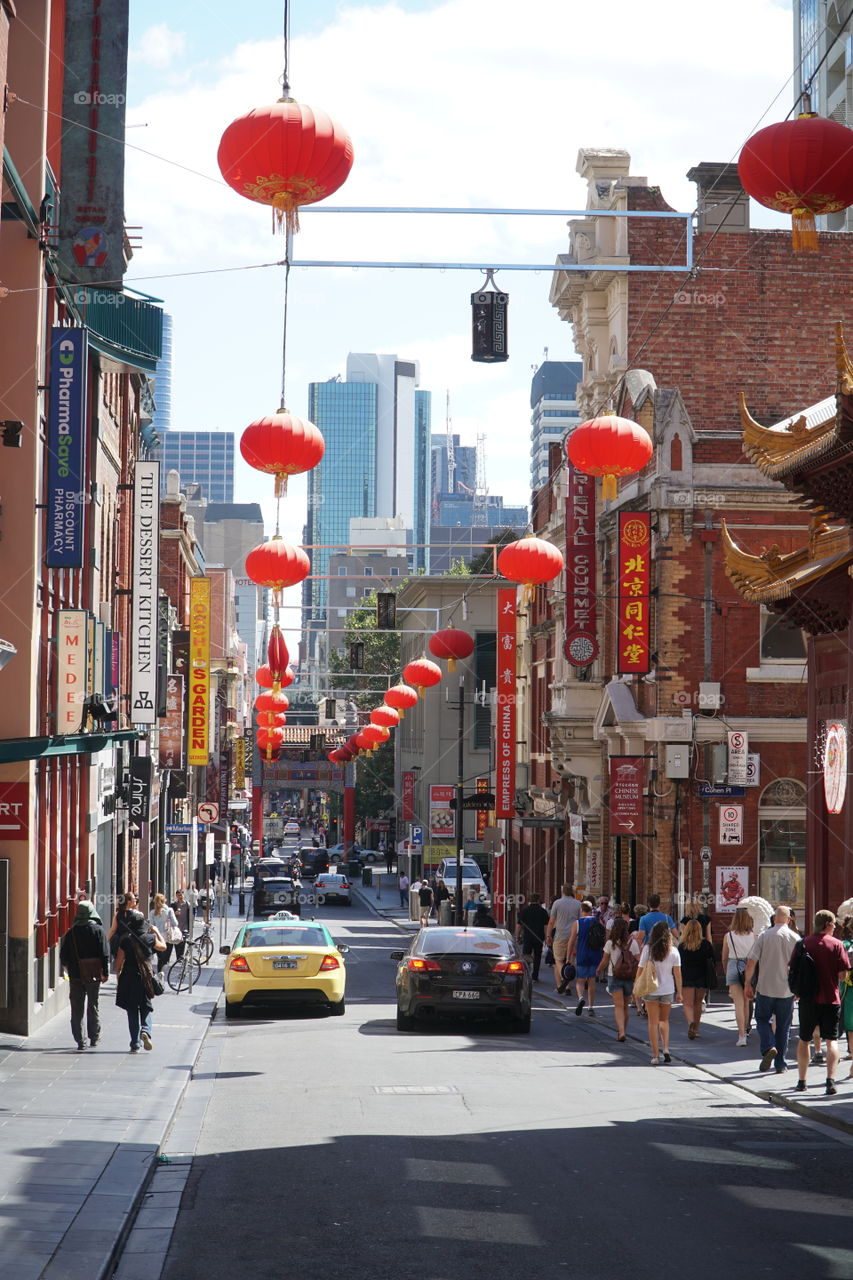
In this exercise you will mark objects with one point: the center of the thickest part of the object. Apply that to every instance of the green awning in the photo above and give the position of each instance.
(71, 744)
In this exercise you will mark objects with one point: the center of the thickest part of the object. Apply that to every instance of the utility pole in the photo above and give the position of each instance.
(460, 815)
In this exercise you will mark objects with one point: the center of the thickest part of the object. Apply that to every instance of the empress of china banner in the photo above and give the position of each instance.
(633, 584)
(506, 711)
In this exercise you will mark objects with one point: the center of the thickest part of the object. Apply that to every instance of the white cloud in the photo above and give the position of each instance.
(159, 46)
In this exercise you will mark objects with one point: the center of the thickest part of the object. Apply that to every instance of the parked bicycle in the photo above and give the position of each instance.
(189, 965)
(204, 943)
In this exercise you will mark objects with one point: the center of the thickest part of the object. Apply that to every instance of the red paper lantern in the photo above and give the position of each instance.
(277, 564)
(335, 757)
(287, 677)
(277, 655)
(275, 702)
(531, 561)
(452, 645)
(263, 675)
(363, 743)
(269, 740)
(608, 446)
(422, 673)
(802, 167)
(270, 719)
(400, 696)
(282, 445)
(353, 745)
(374, 734)
(385, 715)
(285, 155)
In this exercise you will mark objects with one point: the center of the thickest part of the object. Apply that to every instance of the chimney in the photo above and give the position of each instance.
(722, 201)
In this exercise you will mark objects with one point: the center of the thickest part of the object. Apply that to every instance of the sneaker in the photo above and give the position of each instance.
(80, 1046)
(654, 1062)
(818, 1059)
(146, 1040)
(741, 1043)
(579, 1009)
(667, 1059)
(591, 1012)
(95, 1041)
(134, 1048)
(831, 1087)
(801, 1086)
(767, 1059)
(779, 1070)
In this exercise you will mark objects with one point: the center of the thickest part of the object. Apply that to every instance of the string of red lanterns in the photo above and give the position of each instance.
(530, 561)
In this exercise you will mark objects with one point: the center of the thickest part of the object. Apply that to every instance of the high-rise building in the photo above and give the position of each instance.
(162, 416)
(555, 411)
(820, 30)
(203, 457)
(464, 478)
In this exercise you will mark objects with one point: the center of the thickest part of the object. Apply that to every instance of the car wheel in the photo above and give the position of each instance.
(232, 1009)
(370, 858)
(338, 1009)
(522, 1026)
(405, 1022)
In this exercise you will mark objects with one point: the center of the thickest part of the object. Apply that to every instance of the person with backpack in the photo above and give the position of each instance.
(697, 955)
(619, 962)
(816, 963)
(585, 951)
(766, 980)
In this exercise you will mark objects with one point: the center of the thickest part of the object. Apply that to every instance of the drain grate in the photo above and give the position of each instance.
(409, 1089)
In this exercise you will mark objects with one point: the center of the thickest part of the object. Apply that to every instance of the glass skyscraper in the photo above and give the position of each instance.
(203, 457)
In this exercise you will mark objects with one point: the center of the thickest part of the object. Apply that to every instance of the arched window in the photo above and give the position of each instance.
(676, 460)
(782, 843)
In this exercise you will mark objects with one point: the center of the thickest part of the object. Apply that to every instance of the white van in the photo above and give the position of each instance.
(472, 877)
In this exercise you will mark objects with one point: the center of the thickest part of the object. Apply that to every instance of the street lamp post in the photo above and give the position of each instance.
(460, 814)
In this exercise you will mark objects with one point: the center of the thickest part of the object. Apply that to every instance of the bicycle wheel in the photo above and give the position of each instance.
(204, 947)
(178, 976)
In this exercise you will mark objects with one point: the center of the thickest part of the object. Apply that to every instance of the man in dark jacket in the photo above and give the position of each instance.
(532, 923)
(84, 954)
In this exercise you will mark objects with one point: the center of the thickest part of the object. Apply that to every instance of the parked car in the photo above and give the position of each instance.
(279, 962)
(331, 886)
(352, 853)
(463, 973)
(472, 878)
(279, 892)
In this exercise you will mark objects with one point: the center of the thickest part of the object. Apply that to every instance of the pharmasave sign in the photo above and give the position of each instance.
(66, 420)
(146, 539)
(198, 702)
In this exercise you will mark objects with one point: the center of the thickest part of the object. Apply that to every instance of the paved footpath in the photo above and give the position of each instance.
(80, 1132)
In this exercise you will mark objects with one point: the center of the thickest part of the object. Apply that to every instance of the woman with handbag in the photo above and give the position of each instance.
(164, 920)
(737, 944)
(137, 984)
(697, 970)
(659, 983)
(621, 955)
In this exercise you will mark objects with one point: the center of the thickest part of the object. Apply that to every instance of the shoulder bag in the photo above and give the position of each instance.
(741, 963)
(151, 981)
(646, 983)
(89, 968)
(174, 932)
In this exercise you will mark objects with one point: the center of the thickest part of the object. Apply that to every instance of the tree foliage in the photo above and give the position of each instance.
(381, 655)
(485, 561)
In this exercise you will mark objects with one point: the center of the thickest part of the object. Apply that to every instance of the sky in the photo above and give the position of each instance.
(462, 103)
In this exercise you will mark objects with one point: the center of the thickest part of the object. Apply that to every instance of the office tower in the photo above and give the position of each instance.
(464, 466)
(819, 31)
(203, 457)
(227, 534)
(162, 417)
(555, 411)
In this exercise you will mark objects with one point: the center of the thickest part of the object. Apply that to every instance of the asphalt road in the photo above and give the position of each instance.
(338, 1147)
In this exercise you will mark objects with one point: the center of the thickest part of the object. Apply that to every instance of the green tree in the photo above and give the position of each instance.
(458, 569)
(485, 561)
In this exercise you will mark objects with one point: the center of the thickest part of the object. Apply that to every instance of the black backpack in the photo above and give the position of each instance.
(802, 973)
(596, 936)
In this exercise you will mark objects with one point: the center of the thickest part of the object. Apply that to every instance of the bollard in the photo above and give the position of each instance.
(379, 884)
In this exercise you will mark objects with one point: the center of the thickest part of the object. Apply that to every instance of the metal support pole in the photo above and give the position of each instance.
(460, 816)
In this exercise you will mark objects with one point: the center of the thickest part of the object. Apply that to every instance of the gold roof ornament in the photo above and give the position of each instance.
(843, 363)
(770, 576)
(778, 450)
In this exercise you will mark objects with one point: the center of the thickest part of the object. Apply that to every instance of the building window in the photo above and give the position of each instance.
(368, 572)
(342, 613)
(676, 462)
(782, 843)
(351, 592)
(780, 643)
(342, 571)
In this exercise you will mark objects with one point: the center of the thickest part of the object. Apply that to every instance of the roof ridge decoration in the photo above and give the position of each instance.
(774, 451)
(770, 576)
(843, 363)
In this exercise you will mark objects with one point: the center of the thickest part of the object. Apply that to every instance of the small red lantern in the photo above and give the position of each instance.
(275, 702)
(451, 644)
(335, 757)
(287, 677)
(375, 734)
(802, 167)
(363, 743)
(277, 564)
(270, 719)
(531, 561)
(285, 155)
(277, 655)
(422, 673)
(282, 445)
(608, 446)
(269, 740)
(344, 755)
(385, 715)
(263, 675)
(400, 696)
(352, 744)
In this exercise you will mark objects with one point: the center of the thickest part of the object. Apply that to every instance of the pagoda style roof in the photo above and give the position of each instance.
(808, 586)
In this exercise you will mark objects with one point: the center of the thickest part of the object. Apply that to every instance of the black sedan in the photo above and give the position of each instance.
(277, 893)
(462, 972)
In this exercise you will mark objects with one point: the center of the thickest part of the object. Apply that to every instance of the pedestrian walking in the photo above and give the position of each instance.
(693, 911)
(604, 912)
(127, 903)
(403, 886)
(585, 951)
(737, 948)
(181, 909)
(654, 916)
(84, 954)
(774, 1001)
(565, 911)
(530, 931)
(389, 857)
(697, 957)
(164, 920)
(440, 894)
(663, 956)
(483, 917)
(137, 942)
(845, 990)
(820, 1005)
(425, 899)
(471, 903)
(619, 964)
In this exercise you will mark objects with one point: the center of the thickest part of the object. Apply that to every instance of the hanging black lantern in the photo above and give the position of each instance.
(489, 325)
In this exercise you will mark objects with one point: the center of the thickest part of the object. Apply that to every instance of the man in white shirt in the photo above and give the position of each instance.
(565, 911)
(771, 952)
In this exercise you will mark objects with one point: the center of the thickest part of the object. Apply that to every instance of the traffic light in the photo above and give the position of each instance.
(356, 655)
(329, 708)
(386, 611)
(489, 321)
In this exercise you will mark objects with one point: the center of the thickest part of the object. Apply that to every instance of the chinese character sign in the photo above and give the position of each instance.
(482, 785)
(408, 796)
(505, 752)
(581, 646)
(634, 582)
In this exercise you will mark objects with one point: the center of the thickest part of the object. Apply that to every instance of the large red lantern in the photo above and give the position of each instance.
(263, 675)
(278, 703)
(287, 677)
(271, 719)
(452, 645)
(803, 167)
(422, 673)
(375, 734)
(385, 716)
(609, 446)
(531, 561)
(269, 740)
(282, 445)
(277, 564)
(400, 696)
(285, 155)
(363, 743)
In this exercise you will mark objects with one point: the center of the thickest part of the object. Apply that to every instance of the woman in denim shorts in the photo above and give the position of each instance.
(620, 989)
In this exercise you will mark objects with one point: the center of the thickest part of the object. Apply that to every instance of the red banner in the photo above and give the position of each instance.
(626, 795)
(505, 752)
(482, 784)
(581, 643)
(172, 725)
(633, 631)
(408, 797)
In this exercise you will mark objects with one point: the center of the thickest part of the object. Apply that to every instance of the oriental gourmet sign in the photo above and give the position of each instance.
(626, 795)
(632, 631)
(581, 644)
(146, 560)
(66, 422)
(506, 710)
(198, 701)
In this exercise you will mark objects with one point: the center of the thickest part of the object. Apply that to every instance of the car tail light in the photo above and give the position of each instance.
(345, 884)
(239, 964)
(330, 962)
(509, 966)
(417, 964)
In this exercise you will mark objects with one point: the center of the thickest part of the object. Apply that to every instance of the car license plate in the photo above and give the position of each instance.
(285, 964)
(466, 995)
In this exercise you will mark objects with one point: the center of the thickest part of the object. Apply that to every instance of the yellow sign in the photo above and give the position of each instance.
(198, 700)
(240, 764)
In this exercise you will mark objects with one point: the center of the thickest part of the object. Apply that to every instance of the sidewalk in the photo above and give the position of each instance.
(80, 1132)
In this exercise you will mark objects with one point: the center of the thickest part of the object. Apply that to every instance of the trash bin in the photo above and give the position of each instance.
(354, 869)
(367, 877)
(414, 905)
(445, 912)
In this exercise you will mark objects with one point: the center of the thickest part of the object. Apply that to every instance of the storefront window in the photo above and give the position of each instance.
(782, 843)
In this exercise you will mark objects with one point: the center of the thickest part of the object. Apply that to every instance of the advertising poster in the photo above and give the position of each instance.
(442, 819)
(198, 701)
(407, 796)
(732, 885)
(66, 435)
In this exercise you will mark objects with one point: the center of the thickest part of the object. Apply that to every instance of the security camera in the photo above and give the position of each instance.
(7, 653)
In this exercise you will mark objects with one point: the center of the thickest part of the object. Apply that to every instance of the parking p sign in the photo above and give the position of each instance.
(731, 824)
(417, 836)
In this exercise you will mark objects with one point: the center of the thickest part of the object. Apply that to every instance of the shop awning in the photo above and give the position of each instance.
(71, 744)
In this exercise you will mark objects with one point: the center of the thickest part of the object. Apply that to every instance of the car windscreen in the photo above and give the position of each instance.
(479, 941)
(277, 885)
(285, 937)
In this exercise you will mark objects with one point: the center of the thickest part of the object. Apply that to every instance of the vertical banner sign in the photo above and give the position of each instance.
(91, 215)
(505, 748)
(199, 694)
(626, 795)
(581, 644)
(633, 632)
(146, 559)
(738, 759)
(66, 435)
(482, 785)
(172, 725)
(442, 819)
(72, 630)
(407, 808)
(240, 764)
(224, 780)
(115, 661)
(140, 789)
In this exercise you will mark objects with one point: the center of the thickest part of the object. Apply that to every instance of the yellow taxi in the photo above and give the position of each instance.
(280, 962)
